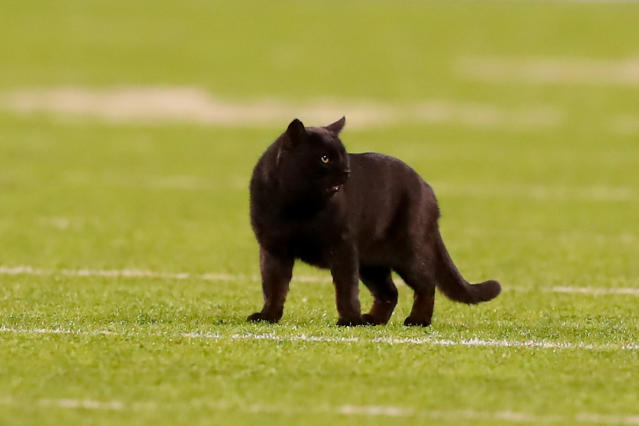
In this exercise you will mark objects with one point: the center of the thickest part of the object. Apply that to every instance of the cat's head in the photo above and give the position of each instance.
(313, 159)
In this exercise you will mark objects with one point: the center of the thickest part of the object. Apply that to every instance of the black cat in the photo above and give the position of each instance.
(361, 216)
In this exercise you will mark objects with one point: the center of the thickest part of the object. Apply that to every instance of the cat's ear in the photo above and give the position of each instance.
(295, 134)
(296, 131)
(336, 127)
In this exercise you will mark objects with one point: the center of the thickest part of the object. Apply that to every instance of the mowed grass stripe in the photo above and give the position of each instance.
(474, 342)
(223, 276)
(342, 410)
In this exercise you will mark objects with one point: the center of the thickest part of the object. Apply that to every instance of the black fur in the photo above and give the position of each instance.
(361, 216)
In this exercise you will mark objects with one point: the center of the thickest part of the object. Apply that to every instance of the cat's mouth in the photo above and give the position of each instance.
(335, 188)
(338, 184)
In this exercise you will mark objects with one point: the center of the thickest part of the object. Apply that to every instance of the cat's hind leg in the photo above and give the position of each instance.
(380, 283)
(418, 278)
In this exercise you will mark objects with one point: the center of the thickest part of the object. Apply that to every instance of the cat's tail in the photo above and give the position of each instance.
(453, 285)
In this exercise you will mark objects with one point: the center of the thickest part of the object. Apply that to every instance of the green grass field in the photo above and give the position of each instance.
(127, 262)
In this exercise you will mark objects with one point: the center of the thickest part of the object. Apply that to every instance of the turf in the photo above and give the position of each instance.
(535, 208)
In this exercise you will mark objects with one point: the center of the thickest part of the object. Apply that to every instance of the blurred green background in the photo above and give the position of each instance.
(128, 132)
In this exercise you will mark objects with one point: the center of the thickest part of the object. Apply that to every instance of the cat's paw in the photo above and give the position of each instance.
(370, 320)
(260, 317)
(350, 322)
(410, 321)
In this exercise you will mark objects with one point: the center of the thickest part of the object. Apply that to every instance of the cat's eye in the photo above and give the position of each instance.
(325, 159)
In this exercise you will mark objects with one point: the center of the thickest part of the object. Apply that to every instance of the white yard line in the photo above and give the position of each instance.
(595, 290)
(86, 404)
(190, 104)
(539, 192)
(128, 273)
(341, 410)
(625, 124)
(222, 276)
(428, 341)
(551, 70)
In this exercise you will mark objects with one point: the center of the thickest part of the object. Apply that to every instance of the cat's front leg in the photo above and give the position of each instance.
(344, 269)
(276, 276)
